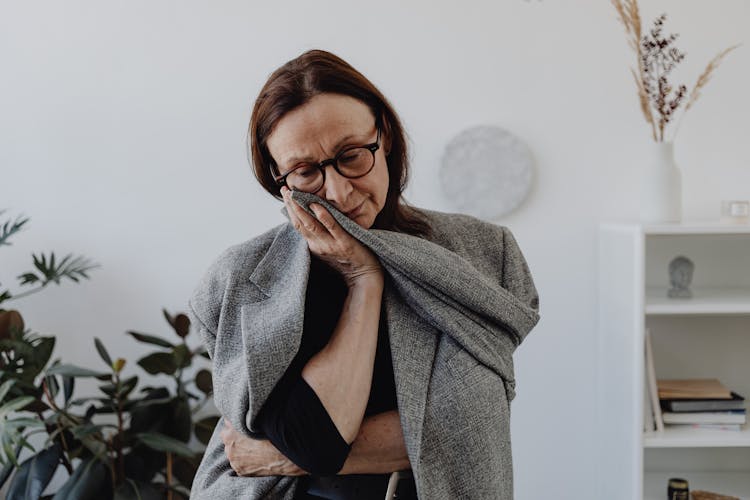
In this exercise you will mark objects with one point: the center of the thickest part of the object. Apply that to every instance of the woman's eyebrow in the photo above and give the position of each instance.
(296, 159)
(343, 141)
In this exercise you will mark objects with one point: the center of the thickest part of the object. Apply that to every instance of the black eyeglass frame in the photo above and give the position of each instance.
(373, 148)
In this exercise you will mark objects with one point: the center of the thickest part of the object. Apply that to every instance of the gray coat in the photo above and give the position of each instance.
(456, 309)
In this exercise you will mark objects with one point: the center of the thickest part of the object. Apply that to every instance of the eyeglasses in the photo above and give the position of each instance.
(352, 163)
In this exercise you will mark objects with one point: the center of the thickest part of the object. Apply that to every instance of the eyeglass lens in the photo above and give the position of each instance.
(352, 163)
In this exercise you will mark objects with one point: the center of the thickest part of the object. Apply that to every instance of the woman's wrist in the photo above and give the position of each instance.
(370, 282)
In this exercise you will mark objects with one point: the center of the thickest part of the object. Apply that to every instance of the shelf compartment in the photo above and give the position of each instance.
(696, 438)
(724, 300)
(695, 228)
(726, 483)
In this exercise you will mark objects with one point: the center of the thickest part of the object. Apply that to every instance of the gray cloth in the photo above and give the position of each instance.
(456, 307)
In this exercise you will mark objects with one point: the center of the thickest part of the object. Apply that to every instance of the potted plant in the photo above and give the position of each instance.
(660, 100)
(126, 442)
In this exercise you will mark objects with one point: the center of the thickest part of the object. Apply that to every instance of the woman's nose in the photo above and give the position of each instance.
(337, 188)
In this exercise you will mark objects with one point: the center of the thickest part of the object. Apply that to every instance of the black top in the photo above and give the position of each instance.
(293, 418)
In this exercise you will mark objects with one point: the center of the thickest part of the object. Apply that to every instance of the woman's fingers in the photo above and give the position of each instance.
(302, 219)
(325, 218)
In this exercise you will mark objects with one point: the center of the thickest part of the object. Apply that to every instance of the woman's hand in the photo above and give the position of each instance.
(329, 241)
(255, 457)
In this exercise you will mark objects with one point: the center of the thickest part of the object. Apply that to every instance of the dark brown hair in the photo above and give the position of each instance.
(317, 72)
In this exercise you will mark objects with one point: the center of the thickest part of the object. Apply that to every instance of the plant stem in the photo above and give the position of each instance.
(120, 458)
(65, 460)
(169, 476)
(28, 292)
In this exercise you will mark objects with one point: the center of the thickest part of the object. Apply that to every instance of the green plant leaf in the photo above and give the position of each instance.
(15, 405)
(122, 390)
(127, 386)
(17, 487)
(88, 482)
(184, 470)
(67, 268)
(135, 404)
(92, 444)
(102, 351)
(204, 381)
(23, 422)
(86, 429)
(34, 364)
(7, 442)
(168, 317)
(5, 387)
(52, 385)
(160, 442)
(151, 339)
(68, 386)
(9, 467)
(75, 371)
(28, 278)
(132, 490)
(81, 401)
(34, 474)
(150, 413)
(204, 428)
(181, 325)
(158, 362)
(108, 389)
(181, 355)
(182, 421)
(8, 229)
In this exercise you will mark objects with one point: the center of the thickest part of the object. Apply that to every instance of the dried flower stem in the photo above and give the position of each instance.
(703, 80)
(630, 17)
(656, 58)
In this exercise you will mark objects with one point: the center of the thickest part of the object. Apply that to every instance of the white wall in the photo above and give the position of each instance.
(122, 136)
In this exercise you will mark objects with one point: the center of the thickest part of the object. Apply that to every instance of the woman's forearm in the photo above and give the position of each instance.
(379, 447)
(341, 373)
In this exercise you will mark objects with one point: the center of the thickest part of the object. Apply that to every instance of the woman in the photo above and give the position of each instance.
(365, 336)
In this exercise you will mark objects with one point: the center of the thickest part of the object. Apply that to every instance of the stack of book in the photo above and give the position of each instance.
(696, 403)
(701, 403)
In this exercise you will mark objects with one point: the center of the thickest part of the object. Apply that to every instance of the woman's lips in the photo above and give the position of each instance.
(356, 211)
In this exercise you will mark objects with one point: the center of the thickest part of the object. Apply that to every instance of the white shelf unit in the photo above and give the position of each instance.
(707, 336)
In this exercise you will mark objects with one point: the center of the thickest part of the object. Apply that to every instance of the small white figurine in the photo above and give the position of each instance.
(680, 275)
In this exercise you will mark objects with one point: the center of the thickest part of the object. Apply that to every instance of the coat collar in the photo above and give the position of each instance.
(288, 256)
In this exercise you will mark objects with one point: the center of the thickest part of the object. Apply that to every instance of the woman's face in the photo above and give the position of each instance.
(318, 130)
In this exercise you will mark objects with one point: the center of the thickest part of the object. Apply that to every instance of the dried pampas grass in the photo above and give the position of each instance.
(656, 57)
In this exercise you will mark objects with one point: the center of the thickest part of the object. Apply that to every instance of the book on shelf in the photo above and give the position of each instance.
(709, 388)
(681, 405)
(723, 417)
(718, 427)
(653, 410)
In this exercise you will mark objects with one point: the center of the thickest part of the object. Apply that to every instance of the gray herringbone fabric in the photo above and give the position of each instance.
(456, 307)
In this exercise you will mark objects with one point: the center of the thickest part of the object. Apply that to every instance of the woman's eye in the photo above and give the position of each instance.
(350, 156)
(307, 171)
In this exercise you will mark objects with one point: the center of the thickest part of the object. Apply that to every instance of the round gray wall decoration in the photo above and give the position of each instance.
(486, 172)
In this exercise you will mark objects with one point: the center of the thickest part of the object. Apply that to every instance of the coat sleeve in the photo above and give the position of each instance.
(215, 477)
(296, 422)
(515, 275)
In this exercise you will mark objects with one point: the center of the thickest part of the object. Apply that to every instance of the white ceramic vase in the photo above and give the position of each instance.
(661, 195)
